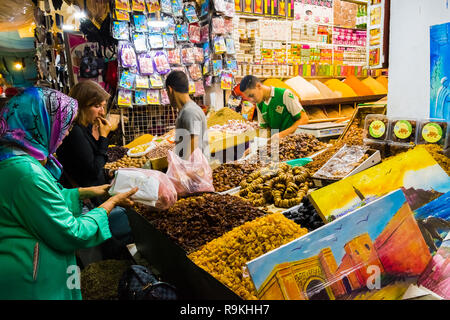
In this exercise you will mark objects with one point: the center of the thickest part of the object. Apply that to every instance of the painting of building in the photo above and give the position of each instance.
(340, 260)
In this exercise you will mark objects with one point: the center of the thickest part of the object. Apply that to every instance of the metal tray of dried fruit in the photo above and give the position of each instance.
(171, 261)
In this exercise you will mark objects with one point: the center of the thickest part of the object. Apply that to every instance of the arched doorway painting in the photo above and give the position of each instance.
(318, 289)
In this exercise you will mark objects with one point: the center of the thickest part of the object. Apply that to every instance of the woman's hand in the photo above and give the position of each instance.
(92, 192)
(104, 127)
(121, 199)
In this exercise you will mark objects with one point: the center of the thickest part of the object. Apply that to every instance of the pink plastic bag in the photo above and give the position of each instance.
(190, 176)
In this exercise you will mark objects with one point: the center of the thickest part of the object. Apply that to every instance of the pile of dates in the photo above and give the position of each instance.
(229, 175)
(305, 215)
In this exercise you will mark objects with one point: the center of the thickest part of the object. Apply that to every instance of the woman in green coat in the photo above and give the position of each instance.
(41, 224)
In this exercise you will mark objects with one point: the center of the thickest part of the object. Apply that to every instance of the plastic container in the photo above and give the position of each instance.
(433, 131)
(403, 131)
(376, 127)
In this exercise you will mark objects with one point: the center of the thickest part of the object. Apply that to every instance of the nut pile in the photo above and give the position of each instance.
(160, 151)
(279, 184)
(225, 257)
(115, 153)
(194, 221)
(305, 216)
(229, 175)
(127, 162)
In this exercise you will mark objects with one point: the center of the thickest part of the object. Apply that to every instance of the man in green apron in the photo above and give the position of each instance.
(279, 110)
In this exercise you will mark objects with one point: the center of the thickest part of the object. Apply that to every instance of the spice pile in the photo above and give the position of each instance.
(194, 221)
(225, 257)
(222, 117)
(229, 175)
(277, 184)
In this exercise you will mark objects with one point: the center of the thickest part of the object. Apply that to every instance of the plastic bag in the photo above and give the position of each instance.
(155, 188)
(190, 176)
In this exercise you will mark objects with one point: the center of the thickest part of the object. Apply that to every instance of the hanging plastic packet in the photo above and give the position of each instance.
(229, 7)
(187, 55)
(145, 62)
(230, 46)
(170, 25)
(198, 55)
(155, 40)
(199, 88)
(207, 66)
(208, 81)
(217, 67)
(127, 55)
(189, 13)
(140, 23)
(218, 25)
(166, 6)
(155, 26)
(195, 72)
(204, 33)
(153, 6)
(168, 41)
(219, 5)
(164, 97)
(194, 33)
(204, 9)
(231, 65)
(122, 5)
(191, 86)
(124, 97)
(141, 82)
(140, 42)
(162, 65)
(174, 56)
(177, 8)
(156, 81)
(140, 97)
(121, 15)
(182, 32)
(206, 49)
(138, 5)
(219, 45)
(153, 97)
(228, 26)
(120, 30)
(127, 79)
(226, 81)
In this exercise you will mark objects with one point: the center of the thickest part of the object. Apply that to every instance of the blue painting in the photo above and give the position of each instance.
(440, 71)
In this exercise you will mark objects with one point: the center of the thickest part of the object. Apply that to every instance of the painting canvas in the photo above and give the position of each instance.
(436, 276)
(440, 71)
(415, 171)
(375, 252)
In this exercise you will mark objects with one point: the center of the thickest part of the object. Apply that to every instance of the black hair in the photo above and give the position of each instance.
(248, 82)
(178, 81)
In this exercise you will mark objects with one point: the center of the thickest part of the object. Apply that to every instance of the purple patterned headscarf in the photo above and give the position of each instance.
(36, 121)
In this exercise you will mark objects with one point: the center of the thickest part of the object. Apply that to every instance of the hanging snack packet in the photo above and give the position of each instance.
(168, 41)
(127, 80)
(120, 30)
(156, 41)
(164, 97)
(140, 42)
(219, 5)
(228, 26)
(153, 6)
(127, 55)
(124, 98)
(189, 13)
(162, 65)
(199, 88)
(230, 46)
(174, 56)
(204, 33)
(208, 81)
(122, 5)
(121, 15)
(177, 8)
(206, 49)
(207, 66)
(140, 97)
(198, 55)
(217, 67)
(153, 97)
(182, 32)
(219, 45)
(226, 81)
(194, 33)
(155, 26)
(195, 72)
(145, 62)
(204, 10)
(231, 65)
(170, 25)
(156, 81)
(218, 25)
(229, 8)
(138, 5)
(187, 55)
(140, 23)
(191, 86)
(166, 6)
(141, 82)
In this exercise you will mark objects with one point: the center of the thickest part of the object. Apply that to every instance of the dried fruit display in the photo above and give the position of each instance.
(115, 153)
(229, 175)
(126, 162)
(305, 215)
(277, 184)
(160, 151)
(194, 221)
(225, 257)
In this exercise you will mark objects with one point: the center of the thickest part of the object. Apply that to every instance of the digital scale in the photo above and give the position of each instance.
(322, 130)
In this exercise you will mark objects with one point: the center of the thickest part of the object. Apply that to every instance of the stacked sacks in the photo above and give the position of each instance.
(375, 86)
(341, 88)
(358, 86)
(303, 88)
